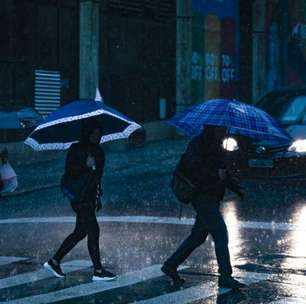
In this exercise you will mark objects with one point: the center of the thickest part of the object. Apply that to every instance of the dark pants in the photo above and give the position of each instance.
(208, 221)
(86, 225)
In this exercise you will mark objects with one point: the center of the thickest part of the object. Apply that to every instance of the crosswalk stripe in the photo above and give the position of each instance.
(252, 277)
(185, 296)
(4, 260)
(42, 274)
(202, 291)
(282, 226)
(289, 301)
(123, 280)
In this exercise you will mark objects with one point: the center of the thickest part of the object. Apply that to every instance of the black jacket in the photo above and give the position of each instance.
(76, 168)
(201, 163)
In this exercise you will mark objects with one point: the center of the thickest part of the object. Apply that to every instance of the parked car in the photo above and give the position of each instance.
(274, 160)
(16, 122)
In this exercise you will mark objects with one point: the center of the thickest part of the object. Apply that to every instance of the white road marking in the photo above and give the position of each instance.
(94, 287)
(155, 220)
(41, 274)
(187, 295)
(289, 301)
(4, 260)
(203, 291)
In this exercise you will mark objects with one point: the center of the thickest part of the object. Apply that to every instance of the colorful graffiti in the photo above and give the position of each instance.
(215, 39)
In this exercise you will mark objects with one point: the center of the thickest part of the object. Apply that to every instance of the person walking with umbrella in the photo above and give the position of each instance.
(204, 168)
(96, 123)
(203, 164)
(84, 169)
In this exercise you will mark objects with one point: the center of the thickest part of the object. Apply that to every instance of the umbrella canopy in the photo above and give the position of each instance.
(238, 117)
(63, 126)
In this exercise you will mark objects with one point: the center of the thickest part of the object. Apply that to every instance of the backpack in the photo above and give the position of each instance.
(182, 187)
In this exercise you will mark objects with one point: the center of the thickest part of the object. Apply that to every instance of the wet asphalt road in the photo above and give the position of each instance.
(140, 228)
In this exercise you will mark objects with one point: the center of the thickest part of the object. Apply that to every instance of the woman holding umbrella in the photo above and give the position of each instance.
(97, 123)
(84, 168)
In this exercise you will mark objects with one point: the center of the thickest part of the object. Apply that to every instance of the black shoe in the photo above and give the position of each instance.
(54, 268)
(103, 275)
(173, 274)
(230, 282)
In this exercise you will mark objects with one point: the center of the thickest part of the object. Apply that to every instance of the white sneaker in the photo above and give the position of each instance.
(55, 269)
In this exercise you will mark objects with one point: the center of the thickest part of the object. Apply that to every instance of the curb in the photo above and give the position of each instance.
(34, 189)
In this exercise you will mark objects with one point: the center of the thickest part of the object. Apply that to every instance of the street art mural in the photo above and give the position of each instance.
(215, 39)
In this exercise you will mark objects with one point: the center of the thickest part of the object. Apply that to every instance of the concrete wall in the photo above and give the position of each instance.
(259, 49)
(183, 53)
(89, 48)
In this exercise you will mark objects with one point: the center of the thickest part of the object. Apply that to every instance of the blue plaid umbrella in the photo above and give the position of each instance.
(63, 127)
(238, 117)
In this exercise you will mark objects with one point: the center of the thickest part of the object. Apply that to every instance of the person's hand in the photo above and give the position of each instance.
(98, 204)
(90, 162)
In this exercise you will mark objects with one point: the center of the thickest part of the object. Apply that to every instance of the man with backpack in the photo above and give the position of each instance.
(82, 184)
(205, 179)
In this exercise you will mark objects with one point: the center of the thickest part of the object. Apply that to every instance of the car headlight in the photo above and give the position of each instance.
(230, 144)
(298, 146)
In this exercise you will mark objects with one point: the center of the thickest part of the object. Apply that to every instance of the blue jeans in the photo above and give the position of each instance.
(209, 220)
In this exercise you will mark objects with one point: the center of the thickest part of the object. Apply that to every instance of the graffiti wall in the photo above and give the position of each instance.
(215, 41)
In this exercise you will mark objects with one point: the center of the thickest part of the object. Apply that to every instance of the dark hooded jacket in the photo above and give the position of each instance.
(201, 163)
(76, 168)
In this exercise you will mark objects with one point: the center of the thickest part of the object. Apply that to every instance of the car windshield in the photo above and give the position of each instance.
(286, 111)
(295, 110)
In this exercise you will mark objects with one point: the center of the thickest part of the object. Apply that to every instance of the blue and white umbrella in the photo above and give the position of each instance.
(63, 127)
(238, 117)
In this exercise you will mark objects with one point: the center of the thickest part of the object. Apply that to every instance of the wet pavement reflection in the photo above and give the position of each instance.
(267, 240)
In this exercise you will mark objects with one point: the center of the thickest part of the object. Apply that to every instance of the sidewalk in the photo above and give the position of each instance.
(47, 173)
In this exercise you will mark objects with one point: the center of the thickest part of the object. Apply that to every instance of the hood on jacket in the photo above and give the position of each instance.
(211, 138)
(87, 127)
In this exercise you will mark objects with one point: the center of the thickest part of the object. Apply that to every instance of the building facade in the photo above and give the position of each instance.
(150, 58)
(137, 57)
(243, 49)
(54, 51)
(39, 52)
(215, 49)
(279, 45)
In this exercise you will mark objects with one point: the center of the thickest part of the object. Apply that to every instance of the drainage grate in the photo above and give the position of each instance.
(47, 91)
